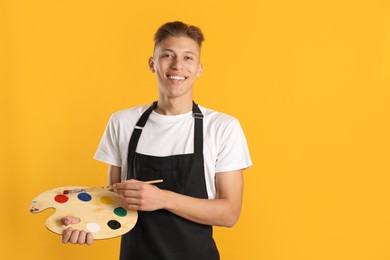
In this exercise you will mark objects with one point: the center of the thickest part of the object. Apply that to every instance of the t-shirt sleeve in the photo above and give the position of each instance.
(108, 149)
(233, 150)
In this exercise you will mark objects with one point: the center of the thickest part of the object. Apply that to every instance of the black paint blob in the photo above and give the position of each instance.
(113, 224)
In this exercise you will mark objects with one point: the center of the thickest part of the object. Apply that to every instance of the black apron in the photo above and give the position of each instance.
(161, 234)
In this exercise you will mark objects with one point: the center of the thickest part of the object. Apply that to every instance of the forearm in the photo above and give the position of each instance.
(215, 212)
(114, 174)
(222, 211)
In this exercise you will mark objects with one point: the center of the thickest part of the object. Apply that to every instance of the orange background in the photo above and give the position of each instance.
(309, 81)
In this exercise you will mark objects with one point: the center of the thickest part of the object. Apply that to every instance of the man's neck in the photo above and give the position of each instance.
(173, 106)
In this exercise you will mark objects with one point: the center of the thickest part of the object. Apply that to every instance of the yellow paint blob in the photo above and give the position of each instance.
(106, 200)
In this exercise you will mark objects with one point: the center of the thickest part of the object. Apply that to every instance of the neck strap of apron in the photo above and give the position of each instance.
(198, 129)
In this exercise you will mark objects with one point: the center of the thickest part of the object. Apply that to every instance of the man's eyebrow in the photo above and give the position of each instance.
(170, 50)
(189, 52)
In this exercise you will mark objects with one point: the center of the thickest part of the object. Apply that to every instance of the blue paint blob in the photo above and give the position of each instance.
(84, 196)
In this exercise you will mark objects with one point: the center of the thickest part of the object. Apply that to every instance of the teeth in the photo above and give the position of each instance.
(177, 77)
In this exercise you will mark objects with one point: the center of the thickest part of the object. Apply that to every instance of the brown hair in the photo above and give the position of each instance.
(178, 28)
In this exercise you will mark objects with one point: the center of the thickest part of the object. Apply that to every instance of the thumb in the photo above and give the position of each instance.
(68, 220)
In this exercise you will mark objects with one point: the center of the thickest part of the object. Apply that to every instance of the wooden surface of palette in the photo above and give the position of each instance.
(101, 212)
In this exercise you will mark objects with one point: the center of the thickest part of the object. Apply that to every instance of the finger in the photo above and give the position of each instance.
(66, 235)
(65, 220)
(82, 237)
(89, 238)
(119, 186)
(70, 220)
(129, 193)
(133, 207)
(128, 185)
(132, 204)
(114, 188)
(75, 236)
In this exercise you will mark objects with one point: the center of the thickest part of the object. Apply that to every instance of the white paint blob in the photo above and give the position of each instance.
(93, 227)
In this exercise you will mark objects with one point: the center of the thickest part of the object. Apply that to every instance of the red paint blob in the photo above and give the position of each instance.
(61, 198)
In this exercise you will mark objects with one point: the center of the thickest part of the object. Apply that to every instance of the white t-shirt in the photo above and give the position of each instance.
(224, 144)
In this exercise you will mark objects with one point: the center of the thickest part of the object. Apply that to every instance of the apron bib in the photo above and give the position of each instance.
(161, 234)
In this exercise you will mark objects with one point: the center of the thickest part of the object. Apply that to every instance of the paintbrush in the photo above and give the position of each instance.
(101, 188)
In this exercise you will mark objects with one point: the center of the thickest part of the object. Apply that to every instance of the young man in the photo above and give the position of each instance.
(199, 153)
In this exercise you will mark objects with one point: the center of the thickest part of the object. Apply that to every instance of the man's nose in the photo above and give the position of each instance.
(177, 63)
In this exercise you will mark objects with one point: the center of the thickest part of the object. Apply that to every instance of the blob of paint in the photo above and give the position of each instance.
(113, 224)
(84, 196)
(61, 198)
(120, 212)
(106, 200)
(93, 227)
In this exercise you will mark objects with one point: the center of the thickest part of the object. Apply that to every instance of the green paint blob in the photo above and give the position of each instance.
(120, 212)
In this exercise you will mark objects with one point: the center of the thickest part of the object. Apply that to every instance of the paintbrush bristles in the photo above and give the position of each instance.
(72, 191)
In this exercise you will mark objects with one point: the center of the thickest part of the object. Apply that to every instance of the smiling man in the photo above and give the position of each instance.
(177, 65)
(198, 152)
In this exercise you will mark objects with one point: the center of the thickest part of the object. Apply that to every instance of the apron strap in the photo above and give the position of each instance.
(198, 129)
(138, 129)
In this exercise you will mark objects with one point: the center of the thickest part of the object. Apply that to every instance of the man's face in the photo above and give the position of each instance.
(176, 64)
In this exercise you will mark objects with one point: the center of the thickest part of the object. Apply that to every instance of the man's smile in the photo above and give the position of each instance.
(177, 77)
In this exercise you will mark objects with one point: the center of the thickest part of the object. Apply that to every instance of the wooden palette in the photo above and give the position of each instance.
(101, 212)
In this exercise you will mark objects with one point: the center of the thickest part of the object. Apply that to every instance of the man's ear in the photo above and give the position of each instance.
(151, 64)
(200, 70)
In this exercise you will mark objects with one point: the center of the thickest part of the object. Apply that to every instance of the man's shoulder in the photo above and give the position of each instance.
(216, 116)
(129, 113)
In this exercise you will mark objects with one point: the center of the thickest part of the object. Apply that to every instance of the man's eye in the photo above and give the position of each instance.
(167, 55)
(188, 58)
